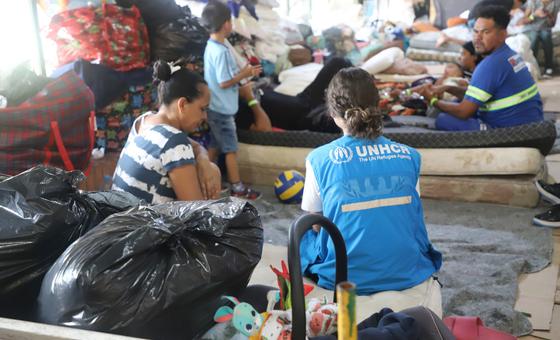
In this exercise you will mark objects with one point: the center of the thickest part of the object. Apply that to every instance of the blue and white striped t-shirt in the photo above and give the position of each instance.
(148, 157)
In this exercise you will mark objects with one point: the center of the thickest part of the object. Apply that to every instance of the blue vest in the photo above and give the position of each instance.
(368, 189)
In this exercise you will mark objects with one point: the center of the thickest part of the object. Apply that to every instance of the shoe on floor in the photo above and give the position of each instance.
(246, 193)
(549, 218)
(550, 192)
(547, 74)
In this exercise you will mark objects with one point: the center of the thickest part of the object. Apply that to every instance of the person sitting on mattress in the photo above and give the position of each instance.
(502, 92)
(368, 186)
(159, 162)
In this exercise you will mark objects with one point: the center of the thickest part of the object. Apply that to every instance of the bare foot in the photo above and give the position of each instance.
(443, 39)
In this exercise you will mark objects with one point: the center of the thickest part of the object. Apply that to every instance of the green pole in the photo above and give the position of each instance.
(39, 45)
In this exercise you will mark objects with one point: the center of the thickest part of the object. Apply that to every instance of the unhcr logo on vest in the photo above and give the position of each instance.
(341, 155)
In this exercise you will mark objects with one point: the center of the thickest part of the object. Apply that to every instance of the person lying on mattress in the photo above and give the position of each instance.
(502, 92)
(468, 60)
(453, 77)
(304, 111)
(159, 162)
(292, 112)
(368, 186)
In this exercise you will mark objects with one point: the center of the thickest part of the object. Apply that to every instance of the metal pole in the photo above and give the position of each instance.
(39, 45)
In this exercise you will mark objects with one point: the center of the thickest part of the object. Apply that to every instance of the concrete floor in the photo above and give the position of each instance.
(278, 218)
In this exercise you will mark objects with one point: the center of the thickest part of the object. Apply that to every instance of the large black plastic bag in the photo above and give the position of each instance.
(180, 38)
(155, 271)
(41, 214)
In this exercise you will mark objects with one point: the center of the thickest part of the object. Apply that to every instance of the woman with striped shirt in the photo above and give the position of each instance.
(159, 162)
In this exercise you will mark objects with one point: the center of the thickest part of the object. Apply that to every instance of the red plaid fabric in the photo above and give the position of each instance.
(26, 135)
(112, 35)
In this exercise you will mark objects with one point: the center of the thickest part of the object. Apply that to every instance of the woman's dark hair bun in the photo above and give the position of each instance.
(162, 71)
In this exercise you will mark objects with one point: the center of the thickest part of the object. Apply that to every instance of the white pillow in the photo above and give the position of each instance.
(383, 60)
(296, 79)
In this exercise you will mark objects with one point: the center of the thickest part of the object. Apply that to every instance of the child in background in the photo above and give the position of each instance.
(223, 78)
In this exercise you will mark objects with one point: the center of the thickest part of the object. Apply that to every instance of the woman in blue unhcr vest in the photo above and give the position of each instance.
(368, 186)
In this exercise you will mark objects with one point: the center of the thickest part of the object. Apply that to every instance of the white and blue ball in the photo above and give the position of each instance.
(288, 186)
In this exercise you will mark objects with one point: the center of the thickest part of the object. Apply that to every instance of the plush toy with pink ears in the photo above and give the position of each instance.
(243, 316)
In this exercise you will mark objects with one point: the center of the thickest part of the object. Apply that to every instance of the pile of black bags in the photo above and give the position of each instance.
(41, 214)
(106, 261)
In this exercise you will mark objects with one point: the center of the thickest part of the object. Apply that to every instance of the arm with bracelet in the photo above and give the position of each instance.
(262, 121)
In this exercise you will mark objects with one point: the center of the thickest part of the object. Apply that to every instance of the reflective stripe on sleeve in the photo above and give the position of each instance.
(510, 101)
(478, 94)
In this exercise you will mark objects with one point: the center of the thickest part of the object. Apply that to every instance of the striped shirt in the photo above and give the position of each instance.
(148, 157)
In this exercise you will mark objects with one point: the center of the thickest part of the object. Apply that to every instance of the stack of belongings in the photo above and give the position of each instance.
(111, 47)
(106, 261)
(263, 36)
(174, 32)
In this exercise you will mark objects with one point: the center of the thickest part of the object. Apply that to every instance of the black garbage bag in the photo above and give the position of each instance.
(155, 271)
(41, 214)
(181, 38)
(155, 12)
(106, 203)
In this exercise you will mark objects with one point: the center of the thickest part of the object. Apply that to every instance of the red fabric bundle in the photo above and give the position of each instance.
(112, 35)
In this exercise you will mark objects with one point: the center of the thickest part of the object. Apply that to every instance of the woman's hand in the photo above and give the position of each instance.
(210, 179)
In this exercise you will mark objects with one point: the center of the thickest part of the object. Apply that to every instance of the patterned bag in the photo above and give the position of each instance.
(115, 120)
(54, 127)
(112, 35)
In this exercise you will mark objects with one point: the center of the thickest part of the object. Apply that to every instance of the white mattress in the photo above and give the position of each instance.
(435, 162)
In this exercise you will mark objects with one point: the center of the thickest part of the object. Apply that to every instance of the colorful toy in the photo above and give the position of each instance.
(243, 322)
(243, 316)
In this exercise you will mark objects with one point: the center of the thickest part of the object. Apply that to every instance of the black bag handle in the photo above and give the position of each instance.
(300, 227)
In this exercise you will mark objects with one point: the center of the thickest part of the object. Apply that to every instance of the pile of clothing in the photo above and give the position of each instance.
(111, 45)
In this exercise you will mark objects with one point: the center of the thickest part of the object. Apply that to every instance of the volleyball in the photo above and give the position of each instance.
(288, 186)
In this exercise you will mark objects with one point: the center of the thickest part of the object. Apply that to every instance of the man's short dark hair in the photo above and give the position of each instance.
(499, 14)
(215, 15)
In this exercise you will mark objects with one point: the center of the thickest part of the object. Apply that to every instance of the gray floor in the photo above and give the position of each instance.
(277, 217)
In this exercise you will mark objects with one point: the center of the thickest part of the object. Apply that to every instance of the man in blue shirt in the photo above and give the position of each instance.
(502, 92)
